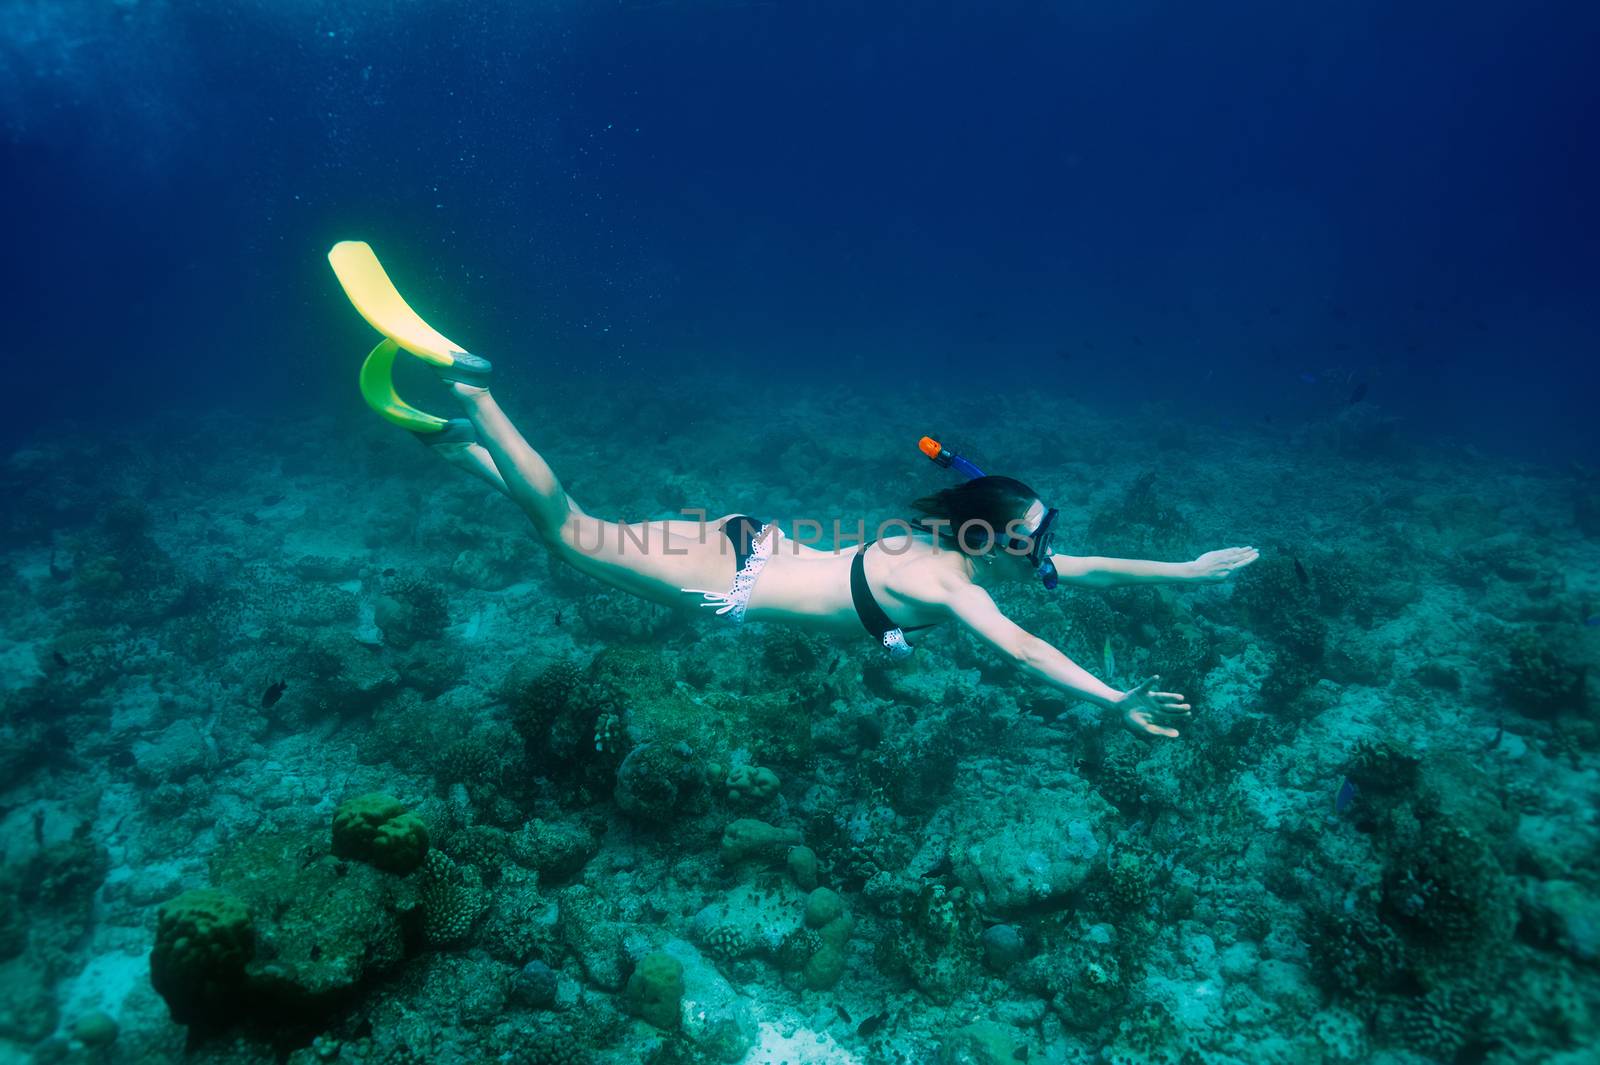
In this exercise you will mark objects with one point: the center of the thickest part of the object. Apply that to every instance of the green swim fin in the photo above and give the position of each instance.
(377, 388)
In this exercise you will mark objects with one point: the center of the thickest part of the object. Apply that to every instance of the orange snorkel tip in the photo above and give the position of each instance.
(947, 459)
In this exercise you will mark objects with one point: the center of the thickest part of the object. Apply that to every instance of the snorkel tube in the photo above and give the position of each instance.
(948, 459)
(1037, 542)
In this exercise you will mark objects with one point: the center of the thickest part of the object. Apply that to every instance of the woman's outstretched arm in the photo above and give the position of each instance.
(1142, 711)
(1095, 572)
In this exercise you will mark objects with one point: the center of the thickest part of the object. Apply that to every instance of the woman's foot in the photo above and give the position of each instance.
(463, 369)
(457, 432)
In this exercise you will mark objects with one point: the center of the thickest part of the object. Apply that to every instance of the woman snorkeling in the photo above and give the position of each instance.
(914, 575)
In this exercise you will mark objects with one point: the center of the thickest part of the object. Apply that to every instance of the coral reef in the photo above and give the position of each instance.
(204, 940)
(377, 829)
(326, 779)
(655, 990)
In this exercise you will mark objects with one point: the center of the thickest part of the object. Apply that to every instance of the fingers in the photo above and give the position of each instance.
(1238, 557)
(1150, 728)
(1168, 706)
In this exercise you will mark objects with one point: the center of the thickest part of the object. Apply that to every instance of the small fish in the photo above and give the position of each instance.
(1359, 394)
(271, 696)
(1592, 620)
(1345, 796)
(558, 617)
(60, 659)
(1307, 377)
(1300, 571)
(390, 572)
(272, 499)
(250, 519)
(834, 664)
(843, 1013)
(872, 1023)
(1110, 660)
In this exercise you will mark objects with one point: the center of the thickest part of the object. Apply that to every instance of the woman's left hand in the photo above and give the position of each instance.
(1151, 713)
(1219, 565)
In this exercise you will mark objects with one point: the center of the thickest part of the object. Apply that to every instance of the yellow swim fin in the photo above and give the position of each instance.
(367, 284)
(377, 388)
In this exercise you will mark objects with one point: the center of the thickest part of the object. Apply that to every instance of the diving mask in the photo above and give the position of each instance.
(1038, 544)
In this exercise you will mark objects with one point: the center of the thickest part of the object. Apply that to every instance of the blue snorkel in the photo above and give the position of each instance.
(948, 459)
(1037, 542)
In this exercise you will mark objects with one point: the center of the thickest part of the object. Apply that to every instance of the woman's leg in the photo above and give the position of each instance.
(527, 478)
(656, 560)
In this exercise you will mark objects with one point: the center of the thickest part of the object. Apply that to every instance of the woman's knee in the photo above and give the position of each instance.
(576, 536)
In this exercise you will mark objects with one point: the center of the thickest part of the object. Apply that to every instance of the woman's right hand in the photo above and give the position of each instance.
(1148, 713)
(1214, 566)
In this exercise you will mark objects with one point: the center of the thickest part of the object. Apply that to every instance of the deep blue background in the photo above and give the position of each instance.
(1245, 209)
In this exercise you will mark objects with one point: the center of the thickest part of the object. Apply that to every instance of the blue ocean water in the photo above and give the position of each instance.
(1195, 204)
(1317, 279)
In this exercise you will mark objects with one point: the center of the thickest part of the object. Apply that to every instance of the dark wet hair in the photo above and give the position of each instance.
(983, 505)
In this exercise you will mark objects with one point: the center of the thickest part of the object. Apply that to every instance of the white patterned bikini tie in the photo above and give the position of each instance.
(732, 602)
(894, 641)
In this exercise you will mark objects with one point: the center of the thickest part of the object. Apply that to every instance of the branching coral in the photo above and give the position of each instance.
(1538, 680)
(570, 724)
(1382, 767)
(1449, 899)
(474, 760)
(412, 609)
(451, 899)
(1355, 954)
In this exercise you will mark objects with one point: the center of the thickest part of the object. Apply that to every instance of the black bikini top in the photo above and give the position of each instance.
(872, 616)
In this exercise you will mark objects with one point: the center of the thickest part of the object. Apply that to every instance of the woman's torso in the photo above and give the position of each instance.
(811, 586)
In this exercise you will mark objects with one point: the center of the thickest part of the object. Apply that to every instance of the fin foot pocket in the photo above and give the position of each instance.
(466, 369)
(457, 432)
